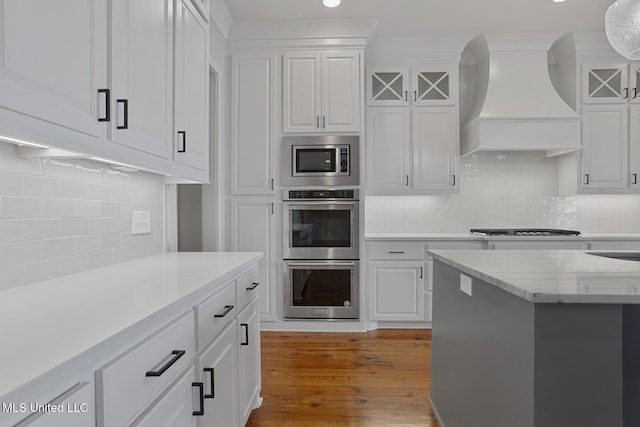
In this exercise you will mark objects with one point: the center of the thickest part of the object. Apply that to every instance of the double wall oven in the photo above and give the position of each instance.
(321, 224)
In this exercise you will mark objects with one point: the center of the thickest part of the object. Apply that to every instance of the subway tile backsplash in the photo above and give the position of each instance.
(63, 216)
(510, 189)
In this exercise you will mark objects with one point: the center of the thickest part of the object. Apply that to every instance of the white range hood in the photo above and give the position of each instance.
(515, 106)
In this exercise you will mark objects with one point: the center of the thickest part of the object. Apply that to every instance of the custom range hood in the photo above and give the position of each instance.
(515, 106)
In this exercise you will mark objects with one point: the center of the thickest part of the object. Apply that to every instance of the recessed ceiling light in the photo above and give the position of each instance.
(331, 3)
(559, 1)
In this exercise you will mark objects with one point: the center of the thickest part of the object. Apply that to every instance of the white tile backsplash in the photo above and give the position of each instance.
(61, 216)
(514, 189)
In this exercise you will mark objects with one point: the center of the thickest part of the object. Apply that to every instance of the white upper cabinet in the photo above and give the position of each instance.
(634, 147)
(605, 147)
(428, 85)
(252, 142)
(412, 150)
(610, 83)
(321, 91)
(141, 77)
(53, 62)
(191, 133)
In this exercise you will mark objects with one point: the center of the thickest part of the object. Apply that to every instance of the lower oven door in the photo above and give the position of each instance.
(321, 289)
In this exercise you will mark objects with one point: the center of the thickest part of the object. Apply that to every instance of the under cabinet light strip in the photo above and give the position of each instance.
(21, 142)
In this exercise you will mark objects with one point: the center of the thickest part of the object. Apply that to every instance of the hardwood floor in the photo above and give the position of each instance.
(373, 379)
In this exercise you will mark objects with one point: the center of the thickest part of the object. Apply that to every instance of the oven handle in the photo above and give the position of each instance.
(315, 264)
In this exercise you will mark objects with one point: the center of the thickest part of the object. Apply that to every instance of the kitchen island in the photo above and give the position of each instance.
(535, 339)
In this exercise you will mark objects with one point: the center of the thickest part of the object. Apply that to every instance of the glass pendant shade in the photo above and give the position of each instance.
(622, 25)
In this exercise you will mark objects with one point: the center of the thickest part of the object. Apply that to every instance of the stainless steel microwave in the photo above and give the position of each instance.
(320, 160)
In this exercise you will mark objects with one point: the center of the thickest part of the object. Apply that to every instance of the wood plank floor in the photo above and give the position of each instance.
(373, 379)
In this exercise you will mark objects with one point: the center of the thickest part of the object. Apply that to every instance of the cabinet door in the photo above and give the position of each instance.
(387, 86)
(605, 147)
(634, 83)
(388, 149)
(434, 85)
(341, 92)
(301, 92)
(435, 148)
(634, 147)
(191, 134)
(175, 408)
(141, 54)
(253, 229)
(397, 290)
(217, 368)
(203, 8)
(249, 365)
(53, 61)
(604, 83)
(252, 140)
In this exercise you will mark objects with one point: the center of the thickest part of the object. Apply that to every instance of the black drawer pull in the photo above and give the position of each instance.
(246, 333)
(211, 395)
(253, 286)
(201, 393)
(177, 354)
(107, 104)
(227, 309)
(396, 252)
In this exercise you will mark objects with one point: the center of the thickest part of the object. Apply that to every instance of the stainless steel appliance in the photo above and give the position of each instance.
(523, 232)
(321, 224)
(321, 254)
(321, 289)
(327, 160)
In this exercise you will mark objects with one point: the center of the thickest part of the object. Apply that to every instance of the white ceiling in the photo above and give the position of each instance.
(420, 18)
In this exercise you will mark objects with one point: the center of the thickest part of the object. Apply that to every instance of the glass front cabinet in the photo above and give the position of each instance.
(416, 85)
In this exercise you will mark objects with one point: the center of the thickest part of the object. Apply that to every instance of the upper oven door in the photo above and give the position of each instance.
(321, 230)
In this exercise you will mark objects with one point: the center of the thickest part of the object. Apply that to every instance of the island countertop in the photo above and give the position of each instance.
(551, 276)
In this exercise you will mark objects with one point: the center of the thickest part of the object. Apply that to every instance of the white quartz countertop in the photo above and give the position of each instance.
(46, 324)
(544, 276)
(469, 236)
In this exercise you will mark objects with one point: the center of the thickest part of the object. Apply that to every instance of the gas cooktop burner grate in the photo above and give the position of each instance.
(523, 232)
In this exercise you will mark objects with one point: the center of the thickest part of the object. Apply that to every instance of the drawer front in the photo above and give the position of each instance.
(248, 286)
(215, 313)
(129, 383)
(396, 250)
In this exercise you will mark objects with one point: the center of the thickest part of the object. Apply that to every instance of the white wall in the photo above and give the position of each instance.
(59, 217)
(514, 189)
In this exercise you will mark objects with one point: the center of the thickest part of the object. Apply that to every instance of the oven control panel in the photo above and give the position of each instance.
(321, 194)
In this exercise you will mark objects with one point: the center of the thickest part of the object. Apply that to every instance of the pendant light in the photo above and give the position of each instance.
(331, 3)
(622, 26)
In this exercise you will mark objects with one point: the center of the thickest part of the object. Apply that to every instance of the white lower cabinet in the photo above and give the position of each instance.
(249, 357)
(176, 407)
(397, 289)
(217, 369)
(77, 409)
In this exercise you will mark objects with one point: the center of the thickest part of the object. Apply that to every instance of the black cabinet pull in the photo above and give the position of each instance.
(201, 393)
(324, 124)
(635, 178)
(586, 179)
(454, 179)
(246, 333)
(635, 92)
(184, 141)
(227, 309)
(125, 106)
(107, 105)
(415, 96)
(396, 252)
(212, 374)
(253, 286)
(626, 92)
(421, 273)
(406, 97)
(177, 354)
(317, 122)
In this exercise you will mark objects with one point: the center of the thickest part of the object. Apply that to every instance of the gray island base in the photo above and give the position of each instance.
(501, 359)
